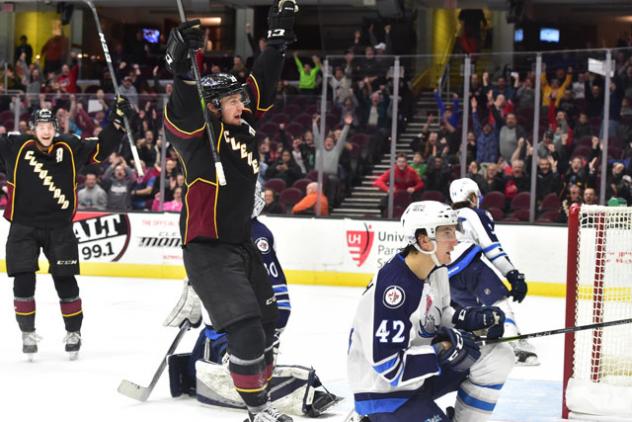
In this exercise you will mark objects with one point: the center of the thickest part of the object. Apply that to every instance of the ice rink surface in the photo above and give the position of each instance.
(123, 337)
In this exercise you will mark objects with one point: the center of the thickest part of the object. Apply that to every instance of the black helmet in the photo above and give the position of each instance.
(43, 115)
(219, 85)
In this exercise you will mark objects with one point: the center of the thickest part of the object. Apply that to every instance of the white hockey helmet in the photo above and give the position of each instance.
(427, 215)
(259, 203)
(462, 189)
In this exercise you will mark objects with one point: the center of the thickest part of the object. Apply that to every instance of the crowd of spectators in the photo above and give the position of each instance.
(500, 145)
(356, 124)
(357, 128)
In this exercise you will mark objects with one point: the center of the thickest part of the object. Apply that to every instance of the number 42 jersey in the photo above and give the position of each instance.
(390, 352)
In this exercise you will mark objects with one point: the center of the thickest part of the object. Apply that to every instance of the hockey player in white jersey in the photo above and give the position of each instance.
(409, 347)
(473, 281)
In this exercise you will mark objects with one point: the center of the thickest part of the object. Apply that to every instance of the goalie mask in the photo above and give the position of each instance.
(219, 85)
(461, 190)
(428, 216)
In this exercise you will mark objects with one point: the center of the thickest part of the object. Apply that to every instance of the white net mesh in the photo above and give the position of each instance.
(603, 358)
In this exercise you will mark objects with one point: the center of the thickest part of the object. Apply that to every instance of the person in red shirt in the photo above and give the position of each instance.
(68, 78)
(406, 178)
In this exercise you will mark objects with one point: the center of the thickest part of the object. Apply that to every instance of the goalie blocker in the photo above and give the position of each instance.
(294, 389)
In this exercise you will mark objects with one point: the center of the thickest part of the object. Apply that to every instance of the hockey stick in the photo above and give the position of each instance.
(219, 169)
(483, 341)
(108, 60)
(140, 393)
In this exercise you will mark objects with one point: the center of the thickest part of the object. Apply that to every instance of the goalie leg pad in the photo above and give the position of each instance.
(181, 379)
(293, 389)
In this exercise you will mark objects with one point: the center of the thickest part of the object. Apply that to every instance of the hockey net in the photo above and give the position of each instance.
(598, 363)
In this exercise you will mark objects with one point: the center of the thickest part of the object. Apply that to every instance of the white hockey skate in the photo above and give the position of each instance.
(525, 353)
(269, 414)
(29, 344)
(73, 344)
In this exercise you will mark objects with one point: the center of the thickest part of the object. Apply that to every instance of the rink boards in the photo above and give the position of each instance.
(341, 252)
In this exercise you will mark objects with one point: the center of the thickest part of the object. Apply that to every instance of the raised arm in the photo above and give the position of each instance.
(266, 70)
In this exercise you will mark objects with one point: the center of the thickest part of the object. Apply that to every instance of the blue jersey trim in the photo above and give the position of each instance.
(492, 386)
(213, 335)
(498, 256)
(474, 402)
(280, 289)
(385, 366)
(463, 261)
(368, 407)
(491, 247)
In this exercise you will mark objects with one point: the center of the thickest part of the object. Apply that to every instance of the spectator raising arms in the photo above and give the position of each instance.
(307, 82)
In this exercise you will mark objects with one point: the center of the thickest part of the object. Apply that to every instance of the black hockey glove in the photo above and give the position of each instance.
(518, 285)
(490, 320)
(122, 109)
(462, 353)
(187, 36)
(281, 23)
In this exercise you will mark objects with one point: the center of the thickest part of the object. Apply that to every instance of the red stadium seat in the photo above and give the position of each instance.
(301, 184)
(290, 196)
(277, 185)
(497, 213)
(521, 201)
(550, 202)
(494, 199)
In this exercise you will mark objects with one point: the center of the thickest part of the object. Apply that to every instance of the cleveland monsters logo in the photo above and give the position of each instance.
(359, 243)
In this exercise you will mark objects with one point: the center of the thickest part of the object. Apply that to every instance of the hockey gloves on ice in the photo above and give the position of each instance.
(281, 23)
(463, 350)
(122, 109)
(187, 36)
(518, 285)
(483, 321)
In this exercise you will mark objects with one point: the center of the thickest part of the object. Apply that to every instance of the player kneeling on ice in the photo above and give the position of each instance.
(472, 278)
(409, 347)
(42, 169)
(203, 372)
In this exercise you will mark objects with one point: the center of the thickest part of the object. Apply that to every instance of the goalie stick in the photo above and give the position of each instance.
(219, 169)
(482, 341)
(140, 393)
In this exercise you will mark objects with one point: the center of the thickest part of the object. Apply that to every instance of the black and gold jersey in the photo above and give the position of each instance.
(42, 185)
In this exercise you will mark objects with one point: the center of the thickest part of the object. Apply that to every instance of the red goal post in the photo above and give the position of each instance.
(598, 363)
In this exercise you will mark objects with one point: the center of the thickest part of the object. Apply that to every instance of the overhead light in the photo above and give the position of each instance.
(209, 21)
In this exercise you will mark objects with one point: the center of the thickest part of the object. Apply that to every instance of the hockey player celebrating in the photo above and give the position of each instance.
(472, 279)
(219, 257)
(42, 179)
(408, 346)
(202, 372)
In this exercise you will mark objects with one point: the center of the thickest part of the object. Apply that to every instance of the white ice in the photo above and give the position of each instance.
(123, 338)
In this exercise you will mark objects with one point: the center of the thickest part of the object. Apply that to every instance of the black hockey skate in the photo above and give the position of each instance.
(73, 344)
(29, 344)
(269, 414)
